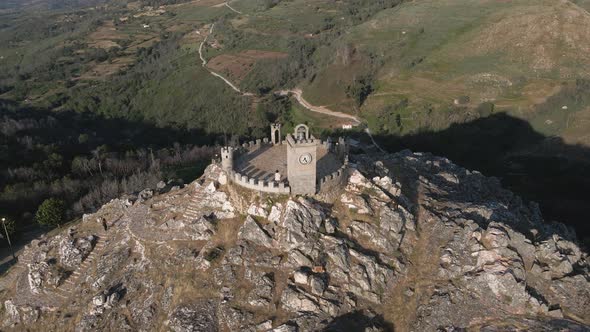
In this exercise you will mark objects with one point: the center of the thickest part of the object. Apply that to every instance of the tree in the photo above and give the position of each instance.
(50, 212)
(360, 89)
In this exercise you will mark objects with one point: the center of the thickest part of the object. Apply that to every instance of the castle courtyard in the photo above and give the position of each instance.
(262, 163)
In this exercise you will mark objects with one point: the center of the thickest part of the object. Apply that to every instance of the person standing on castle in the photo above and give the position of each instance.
(277, 176)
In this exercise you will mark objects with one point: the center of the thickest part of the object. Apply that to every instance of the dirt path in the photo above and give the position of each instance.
(323, 110)
(232, 9)
(297, 93)
(204, 64)
(203, 61)
(368, 131)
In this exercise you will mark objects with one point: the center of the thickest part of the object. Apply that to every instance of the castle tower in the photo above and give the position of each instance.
(275, 133)
(342, 147)
(227, 159)
(302, 161)
(301, 132)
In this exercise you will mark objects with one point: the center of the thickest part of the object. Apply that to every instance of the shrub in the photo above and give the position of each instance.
(50, 212)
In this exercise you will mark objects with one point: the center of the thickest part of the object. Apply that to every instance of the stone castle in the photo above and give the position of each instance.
(300, 164)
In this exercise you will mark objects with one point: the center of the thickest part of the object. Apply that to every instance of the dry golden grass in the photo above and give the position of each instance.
(576, 131)
(237, 66)
(101, 71)
(105, 36)
(421, 277)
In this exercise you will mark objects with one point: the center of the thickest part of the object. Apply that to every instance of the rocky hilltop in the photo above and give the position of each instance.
(412, 243)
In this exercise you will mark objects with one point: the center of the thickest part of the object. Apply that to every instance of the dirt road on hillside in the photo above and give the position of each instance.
(204, 64)
(297, 93)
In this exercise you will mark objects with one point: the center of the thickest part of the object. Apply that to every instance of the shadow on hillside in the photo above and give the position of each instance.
(358, 321)
(71, 134)
(538, 168)
(25, 131)
(118, 131)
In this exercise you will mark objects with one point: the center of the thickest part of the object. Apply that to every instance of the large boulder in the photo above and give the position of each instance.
(73, 251)
(252, 232)
(300, 224)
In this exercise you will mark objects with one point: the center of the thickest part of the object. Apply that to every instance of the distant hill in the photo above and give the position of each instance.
(48, 4)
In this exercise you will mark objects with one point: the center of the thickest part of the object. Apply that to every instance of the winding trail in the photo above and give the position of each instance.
(368, 132)
(203, 61)
(204, 64)
(232, 9)
(297, 92)
(323, 110)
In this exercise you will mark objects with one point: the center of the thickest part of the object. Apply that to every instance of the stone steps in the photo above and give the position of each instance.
(193, 209)
(25, 261)
(64, 290)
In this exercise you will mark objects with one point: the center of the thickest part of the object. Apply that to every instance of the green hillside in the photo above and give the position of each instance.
(433, 57)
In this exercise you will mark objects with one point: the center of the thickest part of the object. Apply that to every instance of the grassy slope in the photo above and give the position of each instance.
(513, 53)
(297, 17)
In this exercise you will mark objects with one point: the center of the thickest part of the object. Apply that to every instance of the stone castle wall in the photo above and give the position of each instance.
(336, 179)
(260, 185)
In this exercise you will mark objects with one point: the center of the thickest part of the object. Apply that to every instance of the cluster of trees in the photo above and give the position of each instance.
(273, 74)
(268, 4)
(360, 89)
(50, 212)
(92, 180)
(363, 82)
(361, 10)
(166, 87)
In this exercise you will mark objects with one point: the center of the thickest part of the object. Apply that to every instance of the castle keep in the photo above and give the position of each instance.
(300, 164)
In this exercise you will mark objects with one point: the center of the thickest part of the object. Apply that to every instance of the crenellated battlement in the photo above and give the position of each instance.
(311, 141)
(335, 178)
(260, 185)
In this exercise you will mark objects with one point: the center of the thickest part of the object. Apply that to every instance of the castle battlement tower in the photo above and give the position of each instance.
(275, 133)
(302, 161)
(227, 159)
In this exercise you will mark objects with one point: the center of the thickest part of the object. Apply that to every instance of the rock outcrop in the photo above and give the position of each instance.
(413, 242)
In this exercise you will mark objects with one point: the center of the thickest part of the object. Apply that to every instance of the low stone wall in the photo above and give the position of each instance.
(260, 185)
(265, 141)
(335, 179)
(256, 144)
